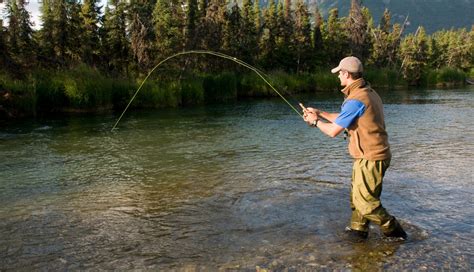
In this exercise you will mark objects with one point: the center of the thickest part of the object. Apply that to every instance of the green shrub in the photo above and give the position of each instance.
(325, 80)
(21, 98)
(385, 78)
(220, 87)
(192, 91)
(450, 75)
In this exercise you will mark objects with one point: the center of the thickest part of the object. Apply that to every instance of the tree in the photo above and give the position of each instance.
(20, 34)
(249, 42)
(47, 55)
(283, 36)
(90, 42)
(192, 17)
(302, 37)
(356, 26)
(385, 24)
(268, 40)
(211, 31)
(116, 45)
(202, 7)
(5, 59)
(75, 29)
(334, 38)
(317, 39)
(141, 33)
(232, 35)
(413, 52)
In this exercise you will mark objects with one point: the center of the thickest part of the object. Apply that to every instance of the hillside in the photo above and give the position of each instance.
(432, 14)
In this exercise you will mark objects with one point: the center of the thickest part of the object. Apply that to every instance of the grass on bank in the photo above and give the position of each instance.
(86, 89)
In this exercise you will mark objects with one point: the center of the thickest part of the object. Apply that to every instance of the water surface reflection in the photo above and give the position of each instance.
(234, 186)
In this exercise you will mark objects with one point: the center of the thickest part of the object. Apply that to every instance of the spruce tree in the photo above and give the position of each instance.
(334, 38)
(385, 24)
(356, 27)
(141, 33)
(414, 55)
(302, 37)
(212, 25)
(75, 31)
(317, 39)
(90, 39)
(20, 34)
(168, 21)
(116, 45)
(5, 58)
(249, 43)
(47, 55)
(232, 35)
(268, 40)
(192, 19)
(61, 36)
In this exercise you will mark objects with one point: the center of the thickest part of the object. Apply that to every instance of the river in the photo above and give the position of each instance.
(235, 186)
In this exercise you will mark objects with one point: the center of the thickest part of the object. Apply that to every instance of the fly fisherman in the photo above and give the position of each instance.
(362, 117)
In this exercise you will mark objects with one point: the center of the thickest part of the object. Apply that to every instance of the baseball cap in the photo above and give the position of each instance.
(349, 64)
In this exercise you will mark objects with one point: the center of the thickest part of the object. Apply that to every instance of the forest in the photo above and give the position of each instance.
(83, 59)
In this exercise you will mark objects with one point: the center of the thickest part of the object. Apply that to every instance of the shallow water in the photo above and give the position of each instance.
(240, 186)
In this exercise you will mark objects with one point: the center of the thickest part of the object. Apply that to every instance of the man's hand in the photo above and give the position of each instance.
(310, 115)
(313, 110)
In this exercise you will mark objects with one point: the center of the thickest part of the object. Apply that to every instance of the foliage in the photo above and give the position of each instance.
(297, 47)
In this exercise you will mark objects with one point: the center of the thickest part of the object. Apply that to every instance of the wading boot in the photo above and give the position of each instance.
(397, 232)
(355, 236)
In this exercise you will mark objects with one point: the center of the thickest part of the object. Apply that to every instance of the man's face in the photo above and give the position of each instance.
(343, 76)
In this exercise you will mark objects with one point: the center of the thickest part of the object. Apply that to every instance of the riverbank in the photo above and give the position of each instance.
(85, 89)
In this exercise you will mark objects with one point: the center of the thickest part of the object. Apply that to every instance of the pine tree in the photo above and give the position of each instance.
(284, 43)
(116, 45)
(385, 24)
(202, 8)
(212, 25)
(356, 26)
(232, 35)
(5, 58)
(268, 40)
(47, 55)
(20, 34)
(302, 37)
(60, 30)
(249, 42)
(192, 17)
(317, 39)
(414, 55)
(90, 39)
(142, 36)
(168, 18)
(334, 38)
(75, 29)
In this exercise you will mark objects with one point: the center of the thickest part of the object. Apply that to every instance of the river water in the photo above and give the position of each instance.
(237, 186)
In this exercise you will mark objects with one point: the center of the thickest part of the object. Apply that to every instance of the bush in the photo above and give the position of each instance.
(220, 87)
(18, 97)
(385, 78)
(326, 81)
(192, 91)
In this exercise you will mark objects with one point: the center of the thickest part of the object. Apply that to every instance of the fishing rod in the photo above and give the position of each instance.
(221, 55)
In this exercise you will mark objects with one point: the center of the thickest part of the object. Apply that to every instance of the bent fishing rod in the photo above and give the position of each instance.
(217, 54)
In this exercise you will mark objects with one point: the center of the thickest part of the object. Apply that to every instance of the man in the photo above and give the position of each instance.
(362, 117)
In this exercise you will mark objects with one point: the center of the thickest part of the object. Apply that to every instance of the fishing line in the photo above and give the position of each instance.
(221, 55)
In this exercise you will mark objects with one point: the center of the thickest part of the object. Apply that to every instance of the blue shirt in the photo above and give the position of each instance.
(350, 110)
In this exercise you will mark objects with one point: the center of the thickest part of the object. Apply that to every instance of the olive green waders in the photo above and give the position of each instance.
(367, 177)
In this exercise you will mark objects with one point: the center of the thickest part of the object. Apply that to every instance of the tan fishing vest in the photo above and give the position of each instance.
(368, 138)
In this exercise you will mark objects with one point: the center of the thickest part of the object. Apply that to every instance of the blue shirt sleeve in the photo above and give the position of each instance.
(350, 111)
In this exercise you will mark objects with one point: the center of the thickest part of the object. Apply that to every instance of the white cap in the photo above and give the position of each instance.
(349, 64)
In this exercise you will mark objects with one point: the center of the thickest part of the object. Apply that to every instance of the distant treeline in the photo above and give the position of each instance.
(130, 37)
